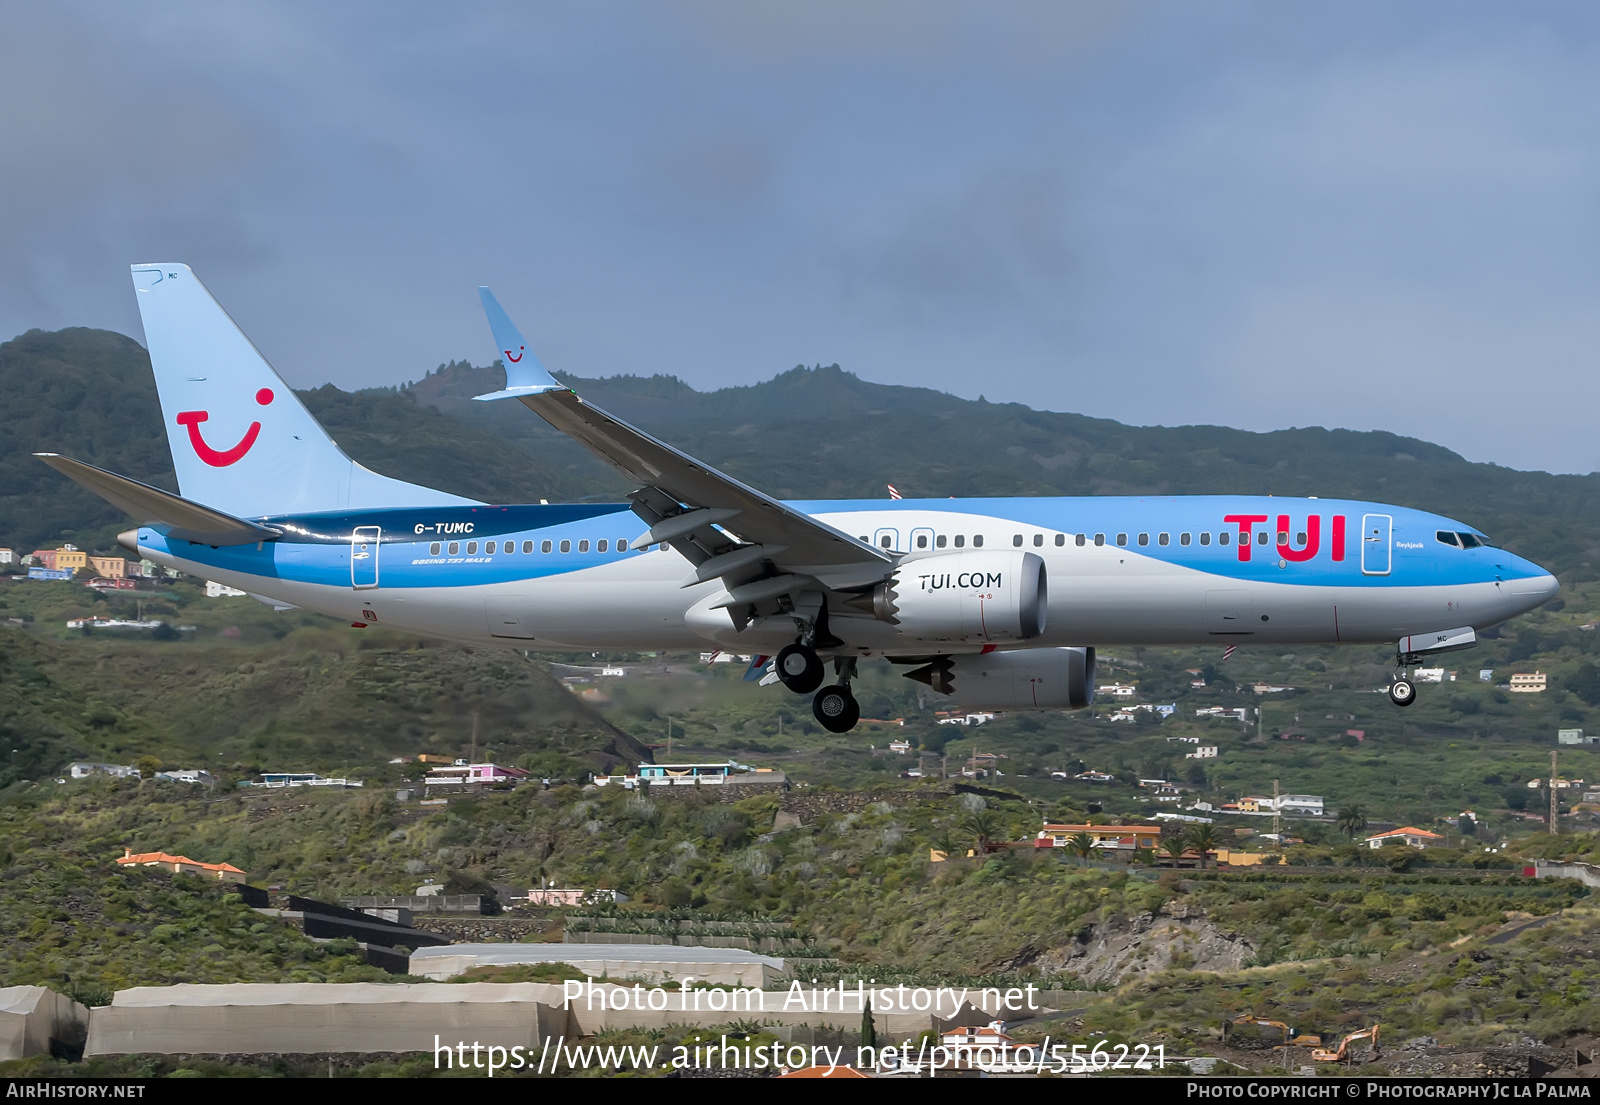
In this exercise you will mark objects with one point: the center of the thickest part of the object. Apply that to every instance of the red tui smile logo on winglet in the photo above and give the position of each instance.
(221, 458)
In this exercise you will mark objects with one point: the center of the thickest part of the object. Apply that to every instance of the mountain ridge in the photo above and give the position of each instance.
(814, 433)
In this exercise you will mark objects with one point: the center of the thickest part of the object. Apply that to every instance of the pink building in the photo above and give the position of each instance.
(462, 774)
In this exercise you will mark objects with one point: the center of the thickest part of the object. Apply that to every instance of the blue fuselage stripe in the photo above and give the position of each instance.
(317, 548)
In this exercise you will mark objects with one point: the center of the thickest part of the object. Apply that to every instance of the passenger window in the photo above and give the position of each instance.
(1205, 538)
(433, 549)
(1183, 538)
(1122, 540)
(472, 548)
(961, 540)
(1224, 537)
(1164, 539)
(1261, 538)
(1082, 539)
(1061, 539)
(544, 546)
(1447, 537)
(602, 546)
(622, 546)
(938, 542)
(1144, 539)
(1016, 540)
(864, 538)
(527, 546)
(1099, 539)
(455, 547)
(583, 546)
(922, 540)
(490, 547)
(1283, 538)
(1300, 538)
(566, 546)
(977, 540)
(1468, 541)
(886, 541)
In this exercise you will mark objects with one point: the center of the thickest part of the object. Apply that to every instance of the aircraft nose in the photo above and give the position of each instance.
(1535, 589)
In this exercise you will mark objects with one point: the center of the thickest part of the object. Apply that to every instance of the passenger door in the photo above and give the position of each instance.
(886, 538)
(364, 557)
(1376, 543)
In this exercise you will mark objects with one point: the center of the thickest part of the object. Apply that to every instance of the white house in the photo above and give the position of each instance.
(216, 590)
(1308, 805)
(1204, 752)
(83, 770)
(1116, 690)
(1410, 835)
(990, 1035)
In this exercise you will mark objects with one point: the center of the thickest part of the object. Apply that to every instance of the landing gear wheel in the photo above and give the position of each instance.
(799, 668)
(836, 709)
(1402, 692)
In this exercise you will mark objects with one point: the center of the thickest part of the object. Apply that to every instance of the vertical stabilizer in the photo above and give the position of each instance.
(241, 440)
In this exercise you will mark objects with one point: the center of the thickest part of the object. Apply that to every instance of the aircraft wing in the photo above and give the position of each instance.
(760, 548)
(188, 521)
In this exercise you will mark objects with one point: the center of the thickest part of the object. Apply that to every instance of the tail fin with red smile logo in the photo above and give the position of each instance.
(241, 440)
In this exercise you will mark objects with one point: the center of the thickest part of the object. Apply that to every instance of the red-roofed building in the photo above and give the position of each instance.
(181, 865)
(824, 1072)
(991, 1034)
(1119, 837)
(1409, 835)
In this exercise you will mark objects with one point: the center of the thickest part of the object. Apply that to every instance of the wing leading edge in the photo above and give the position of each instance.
(770, 558)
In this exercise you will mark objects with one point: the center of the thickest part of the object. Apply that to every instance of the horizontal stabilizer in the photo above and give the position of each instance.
(148, 505)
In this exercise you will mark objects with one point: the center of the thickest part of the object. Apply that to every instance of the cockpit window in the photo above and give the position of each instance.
(1448, 538)
(1471, 540)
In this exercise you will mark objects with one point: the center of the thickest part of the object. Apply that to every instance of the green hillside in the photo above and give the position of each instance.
(805, 433)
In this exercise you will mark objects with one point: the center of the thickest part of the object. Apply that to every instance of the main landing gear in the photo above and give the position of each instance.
(800, 669)
(1402, 692)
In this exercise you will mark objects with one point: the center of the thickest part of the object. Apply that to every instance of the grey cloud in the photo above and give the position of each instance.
(1366, 215)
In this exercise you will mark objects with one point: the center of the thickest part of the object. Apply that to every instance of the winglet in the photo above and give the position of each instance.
(524, 374)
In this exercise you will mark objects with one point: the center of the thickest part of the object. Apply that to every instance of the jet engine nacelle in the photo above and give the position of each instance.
(966, 597)
(1025, 679)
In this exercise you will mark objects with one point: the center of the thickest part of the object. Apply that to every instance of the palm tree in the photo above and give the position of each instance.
(1081, 845)
(1175, 846)
(1204, 839)
(982, 827)
(950, 842)
(1351, 820)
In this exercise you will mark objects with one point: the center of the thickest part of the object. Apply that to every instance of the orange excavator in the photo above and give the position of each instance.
(1323, 1055)
(1289, 1037)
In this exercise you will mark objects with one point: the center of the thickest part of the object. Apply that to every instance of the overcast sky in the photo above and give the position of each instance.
(1379, 216)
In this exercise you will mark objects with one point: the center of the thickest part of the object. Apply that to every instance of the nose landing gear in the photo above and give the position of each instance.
(1402, 692)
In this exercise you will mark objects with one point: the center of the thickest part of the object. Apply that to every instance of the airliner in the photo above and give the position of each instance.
(996, 602)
